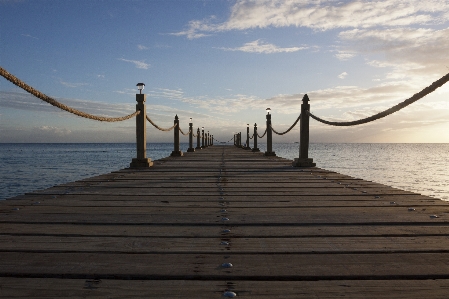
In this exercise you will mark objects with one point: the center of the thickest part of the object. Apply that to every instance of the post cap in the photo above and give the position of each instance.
(305, 98)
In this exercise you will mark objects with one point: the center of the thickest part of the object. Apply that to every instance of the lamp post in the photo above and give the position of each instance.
(269, 151)
(190, 149)
(141, 131)
(202, 137)
(247, 137)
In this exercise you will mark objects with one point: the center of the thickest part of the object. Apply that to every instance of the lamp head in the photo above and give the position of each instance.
(140, 86)
(268, 110)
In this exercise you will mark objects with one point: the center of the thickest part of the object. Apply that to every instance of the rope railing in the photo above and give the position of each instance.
(251, 137)
(263, 134)
(289, 129)
(159, 128)
(185, 134)
(19, 83)
(429, 89)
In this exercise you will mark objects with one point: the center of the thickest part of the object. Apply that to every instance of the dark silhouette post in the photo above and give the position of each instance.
(269, 151)
(176, 152)
(304, 160)
(202, 137)
(255, 148)
(141, 132)
(190, 149)
(247, 137)
(198, 136)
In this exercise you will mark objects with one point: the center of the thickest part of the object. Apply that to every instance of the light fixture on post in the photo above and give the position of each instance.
(268, 111)
(140, 87)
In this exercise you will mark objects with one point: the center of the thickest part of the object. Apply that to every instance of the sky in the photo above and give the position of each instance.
(223, 62)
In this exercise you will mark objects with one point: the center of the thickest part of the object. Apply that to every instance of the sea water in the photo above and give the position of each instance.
(420, 168)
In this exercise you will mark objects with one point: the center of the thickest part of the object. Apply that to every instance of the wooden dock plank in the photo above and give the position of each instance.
(293, 233)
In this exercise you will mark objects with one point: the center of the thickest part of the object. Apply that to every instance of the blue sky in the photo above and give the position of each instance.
(223, 63)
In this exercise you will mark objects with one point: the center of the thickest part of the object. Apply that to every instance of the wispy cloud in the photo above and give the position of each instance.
(322, 15)
(73, 85)
(342, 75)
(259, 46)
(139, 64)
(29, 36)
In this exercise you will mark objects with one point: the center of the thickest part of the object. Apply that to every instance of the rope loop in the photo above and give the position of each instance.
(19, 83)
(185, 134)
(414, 98)
(263, 134)
(159, 128)
(289, 129)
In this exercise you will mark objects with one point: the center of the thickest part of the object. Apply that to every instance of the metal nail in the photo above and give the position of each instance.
(227, 265)
(226, 231)
(433, 216)
(392, 202)
(411, 209)
(224, 243)
(223, 211)
(225, 219)
(229, 294)
(15, 209)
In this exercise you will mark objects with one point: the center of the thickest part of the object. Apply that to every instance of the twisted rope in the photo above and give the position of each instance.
(251, 137)
(159, 128)
(185, 134)
(263, 134)
(16, 81)
(289, 129)
(417, 96)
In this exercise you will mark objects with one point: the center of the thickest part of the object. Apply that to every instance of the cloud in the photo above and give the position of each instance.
(342, 75)
(137, 63)
(259, 46)
(322, 15)
(73, 85)
(141, 47)
(25, 101)
(30, 36)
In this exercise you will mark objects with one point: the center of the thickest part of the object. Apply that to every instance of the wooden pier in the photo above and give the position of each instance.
(223, 222)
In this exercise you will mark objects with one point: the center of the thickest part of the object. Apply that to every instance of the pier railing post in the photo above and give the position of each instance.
(198, 137)
(141, 134)
(207, 139)
(255, 148)
(202, 137)
(247, 147)
(304, 160)
(240, 139)
(190, 149)
(176, 152)
(269, 151)
(212, 140)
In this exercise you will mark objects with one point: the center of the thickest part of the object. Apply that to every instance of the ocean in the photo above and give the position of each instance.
(420, 168)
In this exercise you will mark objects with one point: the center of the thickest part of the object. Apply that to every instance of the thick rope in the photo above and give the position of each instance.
(289, 129)
(185, 134)
(159, 128)
(263, 134)
(251, 137)
(16, 81)
(417, 96)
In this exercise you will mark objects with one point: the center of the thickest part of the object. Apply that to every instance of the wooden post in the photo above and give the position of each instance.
(141, 134)
(212, 140)
(255, 148)
(190, 149)
(240, 139)
(202, 137)
(304, 160)
(247, 147)
(176, 152)
(198, 144)
(269, 151)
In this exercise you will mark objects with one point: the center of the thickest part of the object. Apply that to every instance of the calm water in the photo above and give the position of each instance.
(421, 168)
